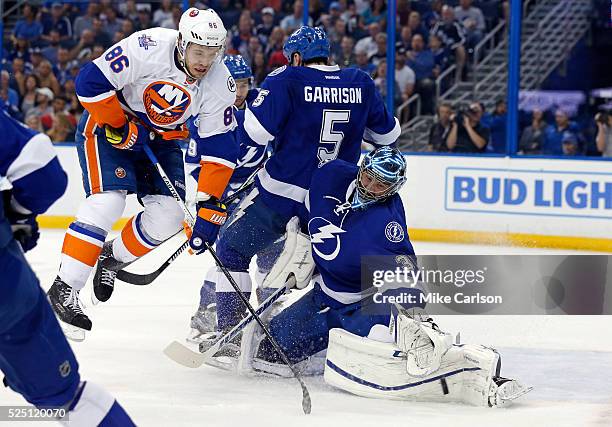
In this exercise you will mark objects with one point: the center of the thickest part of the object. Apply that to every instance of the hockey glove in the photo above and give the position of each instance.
(211, 217)
(130, 137)
(23, 226)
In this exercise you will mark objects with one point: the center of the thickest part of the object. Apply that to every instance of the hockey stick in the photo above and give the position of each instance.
(306, 401)
(183, 355)
(148, 278)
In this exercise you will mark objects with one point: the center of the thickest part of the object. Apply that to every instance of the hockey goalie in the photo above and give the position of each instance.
(391, 352)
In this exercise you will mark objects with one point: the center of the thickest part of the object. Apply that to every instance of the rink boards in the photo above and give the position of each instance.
(494, 200)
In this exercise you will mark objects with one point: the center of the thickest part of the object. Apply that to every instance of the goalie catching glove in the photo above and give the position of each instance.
(211, 217)
(130, 137)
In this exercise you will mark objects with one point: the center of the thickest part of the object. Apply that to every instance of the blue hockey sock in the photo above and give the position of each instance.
(207, 294)
(230, 309)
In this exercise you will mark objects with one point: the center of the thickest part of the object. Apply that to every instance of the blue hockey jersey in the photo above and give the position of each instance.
(28, 161)
(315, 114)
(251, 155)
(340, 238)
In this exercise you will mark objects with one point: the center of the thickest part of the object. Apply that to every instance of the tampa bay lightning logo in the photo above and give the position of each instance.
(325, 238)
(252, 157)
(394, 232)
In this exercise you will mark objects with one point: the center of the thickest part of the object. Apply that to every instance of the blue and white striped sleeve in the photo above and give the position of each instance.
(29, 162)
(381, 128)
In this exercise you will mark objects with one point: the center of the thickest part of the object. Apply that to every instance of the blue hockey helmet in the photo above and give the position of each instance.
(385, 170)
(309, 42)
(238, 67)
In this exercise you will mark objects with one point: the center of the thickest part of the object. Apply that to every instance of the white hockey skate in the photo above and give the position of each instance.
(504, 390)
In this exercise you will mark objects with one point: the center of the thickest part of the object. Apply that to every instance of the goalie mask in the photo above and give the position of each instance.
(204, 28)
(381, 175)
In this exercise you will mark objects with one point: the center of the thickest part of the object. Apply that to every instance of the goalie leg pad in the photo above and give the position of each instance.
(375, 369)
(300, 329)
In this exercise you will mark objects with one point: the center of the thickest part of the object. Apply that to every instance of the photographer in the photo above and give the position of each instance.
(604, 133)
(467, 134)
(440, 129)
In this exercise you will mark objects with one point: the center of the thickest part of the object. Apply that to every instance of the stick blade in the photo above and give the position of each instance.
(137, 279)
(183, 356)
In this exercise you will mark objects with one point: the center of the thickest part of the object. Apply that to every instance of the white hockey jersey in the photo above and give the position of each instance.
(142, 71)
(140, 75)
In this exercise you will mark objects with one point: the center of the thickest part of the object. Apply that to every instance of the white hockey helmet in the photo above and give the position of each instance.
(203, 27)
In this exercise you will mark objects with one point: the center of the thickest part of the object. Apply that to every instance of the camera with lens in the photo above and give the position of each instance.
(464, 110)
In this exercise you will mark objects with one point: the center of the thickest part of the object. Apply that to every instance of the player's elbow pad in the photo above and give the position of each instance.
(98, 97)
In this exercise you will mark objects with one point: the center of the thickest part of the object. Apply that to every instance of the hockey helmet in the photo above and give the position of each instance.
(203, 27)
(309, 42)
(386, 166)
(238, 67)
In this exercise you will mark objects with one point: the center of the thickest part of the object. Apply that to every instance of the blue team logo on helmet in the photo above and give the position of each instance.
(309, 42)
(384, 165)
(238, 67)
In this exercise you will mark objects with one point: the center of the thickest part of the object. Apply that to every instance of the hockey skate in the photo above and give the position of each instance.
(227, 356)
(65, 303)
(106, 272)
(504, 390)
(203, 324)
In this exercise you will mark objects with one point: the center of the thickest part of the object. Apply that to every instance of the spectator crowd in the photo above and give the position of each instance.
(49, 44)
(556, 132)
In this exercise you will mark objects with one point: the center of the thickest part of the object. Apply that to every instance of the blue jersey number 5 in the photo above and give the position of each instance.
(331, 139)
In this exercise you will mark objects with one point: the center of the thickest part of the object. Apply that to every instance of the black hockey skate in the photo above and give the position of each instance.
(65, 303)
(106, 272)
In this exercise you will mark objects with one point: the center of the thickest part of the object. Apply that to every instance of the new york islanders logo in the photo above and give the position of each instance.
(165, 102)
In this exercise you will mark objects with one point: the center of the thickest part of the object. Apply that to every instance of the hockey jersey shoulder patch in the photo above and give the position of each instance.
(145, 41)
(277, 71)
(394, 232)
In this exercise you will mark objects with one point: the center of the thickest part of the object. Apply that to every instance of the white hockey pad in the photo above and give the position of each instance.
(375, 369)
(251, 365)
(422, 342)
(296, 259)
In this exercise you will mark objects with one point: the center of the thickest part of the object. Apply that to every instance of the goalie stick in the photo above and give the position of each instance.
(306, 401)
(148, 278)
(183, 355)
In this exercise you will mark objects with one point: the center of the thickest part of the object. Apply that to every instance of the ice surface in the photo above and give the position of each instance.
(568, 359)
